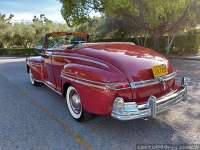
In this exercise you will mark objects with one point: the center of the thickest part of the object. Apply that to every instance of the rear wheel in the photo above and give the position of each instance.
(74, 105)
(32, 79)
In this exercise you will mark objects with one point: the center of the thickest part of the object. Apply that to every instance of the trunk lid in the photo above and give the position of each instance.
(135, 62)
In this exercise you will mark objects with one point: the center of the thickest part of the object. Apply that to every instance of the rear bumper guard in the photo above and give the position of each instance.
(130, 110)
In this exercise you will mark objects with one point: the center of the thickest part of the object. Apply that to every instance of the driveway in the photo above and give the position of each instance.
(37, 118)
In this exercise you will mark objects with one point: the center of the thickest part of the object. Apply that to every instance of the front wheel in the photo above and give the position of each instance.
(74, 105)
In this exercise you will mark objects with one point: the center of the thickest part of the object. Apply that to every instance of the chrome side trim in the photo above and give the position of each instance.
(48, 85)
(84, 83)
(86, 80)
(51, 88)
(45, 83)
(101, 85)
(145, 83)
(84, 59)
(38, 81)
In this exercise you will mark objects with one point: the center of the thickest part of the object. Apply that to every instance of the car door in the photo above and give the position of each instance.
(53, 65)
(60, 57)
(59, 61)
(48, 69)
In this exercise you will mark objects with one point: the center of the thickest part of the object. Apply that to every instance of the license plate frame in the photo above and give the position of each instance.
(159, 70)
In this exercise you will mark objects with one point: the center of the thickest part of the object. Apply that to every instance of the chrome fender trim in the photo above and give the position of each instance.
(83, 82)
(83, 59)
(91, 83)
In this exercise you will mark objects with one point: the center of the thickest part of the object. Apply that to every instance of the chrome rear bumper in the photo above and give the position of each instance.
(130, 110)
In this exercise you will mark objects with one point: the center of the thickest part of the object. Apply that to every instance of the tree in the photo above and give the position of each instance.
(76, 12)
(5, 23)
(19, 35)
(153, 18)
(42, 26)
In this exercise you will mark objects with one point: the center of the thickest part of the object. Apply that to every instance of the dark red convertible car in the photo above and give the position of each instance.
(119, 79)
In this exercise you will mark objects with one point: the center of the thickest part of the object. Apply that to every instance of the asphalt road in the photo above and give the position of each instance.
(36, 118)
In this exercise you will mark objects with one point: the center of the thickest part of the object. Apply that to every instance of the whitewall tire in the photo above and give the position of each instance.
(74, 104)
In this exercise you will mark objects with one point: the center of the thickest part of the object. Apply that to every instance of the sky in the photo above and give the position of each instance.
(26, 9)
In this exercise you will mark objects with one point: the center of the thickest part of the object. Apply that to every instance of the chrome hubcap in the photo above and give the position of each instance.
(75, 102)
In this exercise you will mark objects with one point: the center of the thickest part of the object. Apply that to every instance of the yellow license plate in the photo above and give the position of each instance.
(159, 71)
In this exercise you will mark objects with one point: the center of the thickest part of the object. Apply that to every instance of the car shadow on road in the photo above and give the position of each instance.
(140, 131)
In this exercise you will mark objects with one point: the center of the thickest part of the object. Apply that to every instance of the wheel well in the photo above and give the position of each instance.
(65, 87)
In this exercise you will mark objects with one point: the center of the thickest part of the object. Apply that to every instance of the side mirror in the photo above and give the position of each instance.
(39, 49)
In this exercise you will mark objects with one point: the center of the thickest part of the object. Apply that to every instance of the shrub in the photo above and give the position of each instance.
(182, 45)
(17, 52)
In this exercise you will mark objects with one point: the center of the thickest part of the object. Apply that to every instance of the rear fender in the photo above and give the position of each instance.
(90, 82)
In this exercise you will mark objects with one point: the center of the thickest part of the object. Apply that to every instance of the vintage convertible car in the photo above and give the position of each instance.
(119, 79)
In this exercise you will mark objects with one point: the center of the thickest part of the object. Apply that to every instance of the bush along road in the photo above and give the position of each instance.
(17, 52)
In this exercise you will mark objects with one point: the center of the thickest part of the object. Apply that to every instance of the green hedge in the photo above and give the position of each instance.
(182, 45)
(17, 52)
(186, 45)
